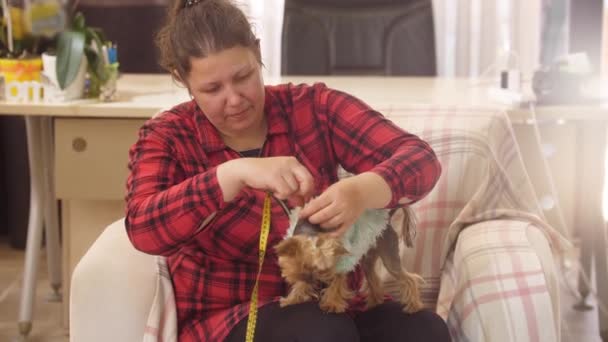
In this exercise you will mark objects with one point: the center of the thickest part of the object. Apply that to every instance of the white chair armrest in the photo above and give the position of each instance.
(112, 290)
(500, 284)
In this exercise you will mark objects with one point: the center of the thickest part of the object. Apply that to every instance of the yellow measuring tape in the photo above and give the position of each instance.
(253, 306)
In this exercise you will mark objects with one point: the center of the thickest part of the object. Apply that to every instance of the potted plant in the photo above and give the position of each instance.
(67, 56)
(75, 43)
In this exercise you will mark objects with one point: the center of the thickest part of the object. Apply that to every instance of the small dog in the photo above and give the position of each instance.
(316, 265)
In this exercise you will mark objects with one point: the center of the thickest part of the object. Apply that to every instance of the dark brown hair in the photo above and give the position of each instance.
(200, 29)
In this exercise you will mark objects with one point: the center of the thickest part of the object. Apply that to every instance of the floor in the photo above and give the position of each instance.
(577, 326)
(47, 325)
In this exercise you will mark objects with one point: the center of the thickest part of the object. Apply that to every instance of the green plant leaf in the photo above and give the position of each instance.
(78, 24)
(96, 66)
(92, 36)
(70, 49)
(100, 34)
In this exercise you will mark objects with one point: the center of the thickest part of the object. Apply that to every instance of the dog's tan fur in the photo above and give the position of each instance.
(308, 265)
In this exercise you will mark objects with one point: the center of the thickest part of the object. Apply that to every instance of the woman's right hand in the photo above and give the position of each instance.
(285, 177)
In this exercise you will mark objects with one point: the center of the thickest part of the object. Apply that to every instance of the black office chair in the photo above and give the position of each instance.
(362, 37)
(132, 26)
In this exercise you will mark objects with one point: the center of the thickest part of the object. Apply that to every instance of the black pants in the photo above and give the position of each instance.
(306, 322)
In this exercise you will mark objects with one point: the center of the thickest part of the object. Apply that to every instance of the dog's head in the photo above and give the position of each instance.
(300, 256)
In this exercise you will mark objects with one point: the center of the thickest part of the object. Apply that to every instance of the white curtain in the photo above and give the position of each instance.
(475, 37)
(267, 19)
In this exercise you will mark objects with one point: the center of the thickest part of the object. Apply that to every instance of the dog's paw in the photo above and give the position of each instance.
(285, 301)
(333, 306)
(413, 306)
(373, 301)
(296, 298)
(333, 309)
(410, 295)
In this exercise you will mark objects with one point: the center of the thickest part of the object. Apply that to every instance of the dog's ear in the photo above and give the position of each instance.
(340, 250)
(288, 247)
(331, 245)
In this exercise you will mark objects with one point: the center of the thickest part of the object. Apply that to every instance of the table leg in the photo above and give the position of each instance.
(585, 213)
(601, 266)
(35, 225)
(600, 255)
(43, 208)
(584, 278)
(591, 222)
(51, 221)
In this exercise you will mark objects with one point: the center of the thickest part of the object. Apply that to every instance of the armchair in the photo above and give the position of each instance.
(482, 246)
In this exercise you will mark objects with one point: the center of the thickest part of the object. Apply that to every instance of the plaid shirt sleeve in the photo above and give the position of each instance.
(164, 209)
(364, 140)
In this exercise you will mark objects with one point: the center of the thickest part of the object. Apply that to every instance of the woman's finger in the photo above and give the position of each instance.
(333, 222)
(281, 189)
(306, 183)
(314, 206)
(323, 215)
(291, 182)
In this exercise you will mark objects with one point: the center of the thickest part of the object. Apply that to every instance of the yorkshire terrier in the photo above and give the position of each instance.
(315, 265)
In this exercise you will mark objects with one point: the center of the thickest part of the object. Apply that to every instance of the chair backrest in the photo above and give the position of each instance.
(364, 37)
(133, 28)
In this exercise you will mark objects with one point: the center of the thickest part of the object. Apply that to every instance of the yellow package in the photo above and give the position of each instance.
(20, 69)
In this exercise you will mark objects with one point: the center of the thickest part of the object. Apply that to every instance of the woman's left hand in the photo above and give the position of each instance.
(337, 208)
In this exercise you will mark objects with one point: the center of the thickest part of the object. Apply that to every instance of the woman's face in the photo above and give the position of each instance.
(229, 89)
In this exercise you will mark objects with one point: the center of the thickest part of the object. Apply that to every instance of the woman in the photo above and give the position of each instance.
(199, 173)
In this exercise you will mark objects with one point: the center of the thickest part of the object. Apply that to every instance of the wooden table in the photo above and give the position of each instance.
(86, 144)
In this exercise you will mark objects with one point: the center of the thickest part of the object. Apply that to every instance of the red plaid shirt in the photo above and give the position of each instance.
(175, 206)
